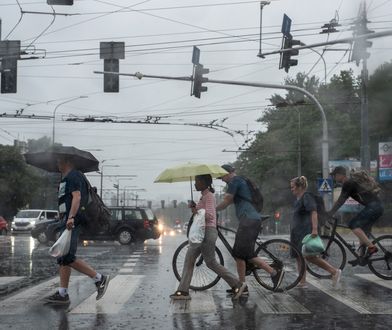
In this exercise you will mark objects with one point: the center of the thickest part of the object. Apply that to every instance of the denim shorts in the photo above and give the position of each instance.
(367, 217)
(71, 256)
(245, 239)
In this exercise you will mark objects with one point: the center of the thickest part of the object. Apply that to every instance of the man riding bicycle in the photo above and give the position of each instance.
(238, 192)
(365, 219)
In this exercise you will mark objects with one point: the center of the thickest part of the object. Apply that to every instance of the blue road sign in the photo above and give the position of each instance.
(324, 185)
(286, 26)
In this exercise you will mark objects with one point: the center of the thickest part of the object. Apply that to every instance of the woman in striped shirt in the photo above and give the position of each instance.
(203, 183)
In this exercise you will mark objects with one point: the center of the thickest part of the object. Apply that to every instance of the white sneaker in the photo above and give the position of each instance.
(336, 278)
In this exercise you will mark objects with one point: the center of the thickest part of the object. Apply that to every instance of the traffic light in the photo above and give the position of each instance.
(198, 80)
(60, 2)
(285, 57)
(111, 82)
(162, 204)
(277, 216)
(175, 203)
(8, 75)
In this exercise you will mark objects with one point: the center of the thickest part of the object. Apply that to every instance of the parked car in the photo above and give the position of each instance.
(39, 230)
(127, 224)
(25, 220)
(3, 226)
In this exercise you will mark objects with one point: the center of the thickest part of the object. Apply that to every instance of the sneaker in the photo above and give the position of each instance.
(371, 250)
(244, 293)
(180, 295)
(336, 278)
(237, 292)
(102, 285)
(57, 299)
(277, 278)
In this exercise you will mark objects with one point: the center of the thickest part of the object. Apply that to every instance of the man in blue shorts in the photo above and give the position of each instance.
(239, 193)
(365, 219)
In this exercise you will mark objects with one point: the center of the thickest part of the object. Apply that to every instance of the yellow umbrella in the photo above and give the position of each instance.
(188, 171)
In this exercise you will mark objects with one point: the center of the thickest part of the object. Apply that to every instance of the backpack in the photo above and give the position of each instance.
(257, 197)
(365, 182)
(97, 213)
(321, 211)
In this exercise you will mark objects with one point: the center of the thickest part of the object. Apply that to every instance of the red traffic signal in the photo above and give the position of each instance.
(277, 216)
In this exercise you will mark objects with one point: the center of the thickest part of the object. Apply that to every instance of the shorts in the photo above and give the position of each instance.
(367, 217)
(71, 256)
(245, 239)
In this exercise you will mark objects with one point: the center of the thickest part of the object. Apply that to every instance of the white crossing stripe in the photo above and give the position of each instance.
(120, 289)
(129, 264)
(22, 302)
(125, 270)
(336, 294)
(276, 303)
(373, 278)
(9, 279)
(138, 253)
(201, 302)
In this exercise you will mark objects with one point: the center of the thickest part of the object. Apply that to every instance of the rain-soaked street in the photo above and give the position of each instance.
(142, 280)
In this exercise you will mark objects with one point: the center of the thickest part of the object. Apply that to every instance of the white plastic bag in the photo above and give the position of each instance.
(61, 246)
(198, 228)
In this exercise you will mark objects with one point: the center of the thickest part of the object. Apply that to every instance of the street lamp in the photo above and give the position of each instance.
(57, 106)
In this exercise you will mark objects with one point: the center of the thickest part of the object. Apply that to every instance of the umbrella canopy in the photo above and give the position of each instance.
(188, 171)
(83, 161)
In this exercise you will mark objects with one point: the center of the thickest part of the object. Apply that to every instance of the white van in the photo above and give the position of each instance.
(25, 220)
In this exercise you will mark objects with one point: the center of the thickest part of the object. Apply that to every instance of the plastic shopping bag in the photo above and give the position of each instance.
(312, 245)
(61, 246)
(198, 228)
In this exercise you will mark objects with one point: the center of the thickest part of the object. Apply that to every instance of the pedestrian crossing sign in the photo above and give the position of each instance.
(325, 185)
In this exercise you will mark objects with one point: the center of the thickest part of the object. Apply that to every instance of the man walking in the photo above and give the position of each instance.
(73, 194)
(239, 193)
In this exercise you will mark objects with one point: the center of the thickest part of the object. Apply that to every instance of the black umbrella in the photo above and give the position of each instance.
(47, 160)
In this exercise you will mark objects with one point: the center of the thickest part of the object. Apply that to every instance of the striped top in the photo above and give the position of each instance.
(207, 202)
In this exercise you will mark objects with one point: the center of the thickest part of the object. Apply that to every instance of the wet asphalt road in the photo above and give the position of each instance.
(142, 280)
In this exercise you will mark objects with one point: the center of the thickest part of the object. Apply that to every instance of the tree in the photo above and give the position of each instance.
(17, 183)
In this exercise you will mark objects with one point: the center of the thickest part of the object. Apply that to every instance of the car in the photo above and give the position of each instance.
(39, 230)
(25, 220)
(3, 226)
(127, 225)
(177, 228)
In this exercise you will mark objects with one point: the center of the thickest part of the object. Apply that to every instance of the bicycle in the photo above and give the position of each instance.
(277, 252)
(379, 263)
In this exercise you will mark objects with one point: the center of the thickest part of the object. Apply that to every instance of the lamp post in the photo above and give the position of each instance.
(102, 173)
(55, 110)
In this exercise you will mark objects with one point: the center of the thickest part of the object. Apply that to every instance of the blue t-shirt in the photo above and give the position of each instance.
(303, 209)
(243, 207)
(73, 181)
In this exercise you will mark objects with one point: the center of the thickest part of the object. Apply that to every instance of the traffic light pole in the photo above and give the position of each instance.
(324, 147)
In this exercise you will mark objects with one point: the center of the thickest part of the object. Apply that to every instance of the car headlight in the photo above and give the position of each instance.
(32, 223)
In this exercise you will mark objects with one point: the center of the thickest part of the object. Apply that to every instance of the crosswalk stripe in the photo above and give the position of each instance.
(201, 302)
(9, 279)
(120, 289)
(373, 278)
(334, 293)
(16, 305)
(125, 271)
(129, 264)
(276, 303)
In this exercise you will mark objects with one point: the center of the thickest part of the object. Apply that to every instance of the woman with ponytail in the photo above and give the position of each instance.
(203, 183)
(305, 222)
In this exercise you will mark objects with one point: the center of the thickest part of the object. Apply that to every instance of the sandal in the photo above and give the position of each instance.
(180, 295)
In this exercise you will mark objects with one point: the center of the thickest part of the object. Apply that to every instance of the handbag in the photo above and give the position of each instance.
(198, 227)
(62, 245)
(312, 246)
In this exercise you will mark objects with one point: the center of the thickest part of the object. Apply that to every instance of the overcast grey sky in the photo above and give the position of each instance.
(159, 36)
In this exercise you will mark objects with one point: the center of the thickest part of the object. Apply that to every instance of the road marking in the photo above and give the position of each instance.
(201, 302)
(276, 303)
(341, 297)
(22, 302)
(9, 279)
(125, 270)
(120, 289)
(129, 264)
(373, 278)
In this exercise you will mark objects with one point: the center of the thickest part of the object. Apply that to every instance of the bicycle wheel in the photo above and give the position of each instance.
(380, 263)
(203, 278)
(334, 254)
(278, 254)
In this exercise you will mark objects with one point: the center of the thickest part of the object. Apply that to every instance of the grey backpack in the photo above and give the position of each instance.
(365, 181)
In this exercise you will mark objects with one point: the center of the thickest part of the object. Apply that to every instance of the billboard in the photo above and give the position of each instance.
(385, 161)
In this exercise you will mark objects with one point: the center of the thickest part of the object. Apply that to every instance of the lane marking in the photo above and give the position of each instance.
(334, 293)
(119, 291)
(275, 303)
(373, 278)
(125, 270)
(129, 264)
(9, 279)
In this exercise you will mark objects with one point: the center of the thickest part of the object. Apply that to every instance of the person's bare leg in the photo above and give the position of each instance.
(65, 274)
(82, 267)
(363, 239)
(241, 269)
(262, 264)
(322, 263)
(299, 264)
